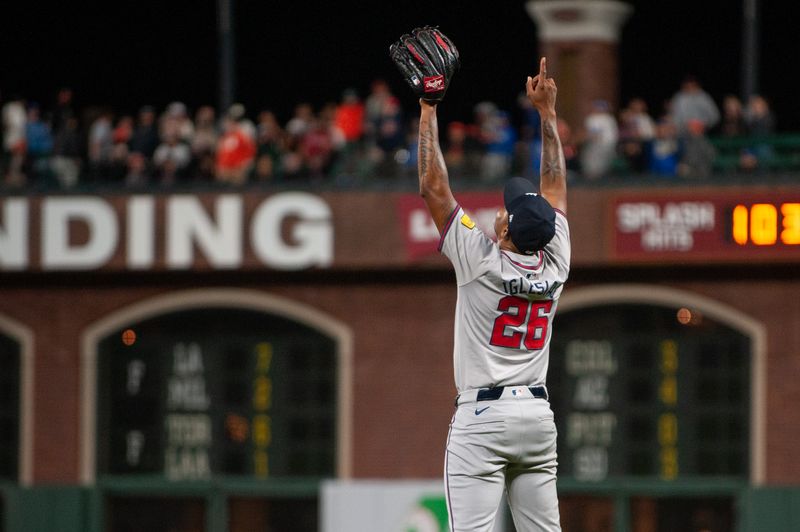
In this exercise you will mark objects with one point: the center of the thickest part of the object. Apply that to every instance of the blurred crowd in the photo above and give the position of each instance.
(359, 138)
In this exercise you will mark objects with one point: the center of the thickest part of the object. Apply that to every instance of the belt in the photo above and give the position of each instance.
(492, 394)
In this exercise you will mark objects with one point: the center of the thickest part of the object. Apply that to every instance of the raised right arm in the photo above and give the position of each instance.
(541, 91)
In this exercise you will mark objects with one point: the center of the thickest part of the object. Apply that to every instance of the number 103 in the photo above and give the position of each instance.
(758, 224)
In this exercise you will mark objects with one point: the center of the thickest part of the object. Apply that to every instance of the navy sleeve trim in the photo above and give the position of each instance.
(447, 226)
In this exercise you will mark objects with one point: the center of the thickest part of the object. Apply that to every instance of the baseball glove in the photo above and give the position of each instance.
(427, 59)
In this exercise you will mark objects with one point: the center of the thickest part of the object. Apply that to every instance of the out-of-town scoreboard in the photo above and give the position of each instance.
(217, 392)
(649, 391)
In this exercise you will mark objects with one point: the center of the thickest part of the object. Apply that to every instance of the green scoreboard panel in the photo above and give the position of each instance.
(217, 391)
(9, 408)
(649, 391)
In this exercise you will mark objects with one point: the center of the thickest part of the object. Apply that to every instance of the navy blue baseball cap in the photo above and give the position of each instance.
(531, 219)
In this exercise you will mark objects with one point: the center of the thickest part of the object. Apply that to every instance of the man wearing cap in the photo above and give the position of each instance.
(502, 436)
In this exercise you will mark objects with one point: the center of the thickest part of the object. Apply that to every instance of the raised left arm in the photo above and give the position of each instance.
(434, 183)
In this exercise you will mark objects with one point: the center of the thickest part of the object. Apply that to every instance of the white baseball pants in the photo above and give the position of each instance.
(505, 444)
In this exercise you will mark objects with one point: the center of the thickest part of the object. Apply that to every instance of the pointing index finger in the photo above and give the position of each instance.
(543, 68)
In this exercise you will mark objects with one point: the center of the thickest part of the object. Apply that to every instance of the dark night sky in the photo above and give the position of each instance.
(126, 54)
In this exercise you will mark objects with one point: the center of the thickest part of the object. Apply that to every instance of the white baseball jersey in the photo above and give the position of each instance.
(506, 304)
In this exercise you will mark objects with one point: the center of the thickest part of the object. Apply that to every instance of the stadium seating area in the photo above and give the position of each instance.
(357, 140)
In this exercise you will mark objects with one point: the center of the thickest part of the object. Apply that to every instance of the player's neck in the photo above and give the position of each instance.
(507, 245)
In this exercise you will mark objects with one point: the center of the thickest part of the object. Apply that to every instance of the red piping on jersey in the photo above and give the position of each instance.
(525, 266)
(447, 226)
(559, 211)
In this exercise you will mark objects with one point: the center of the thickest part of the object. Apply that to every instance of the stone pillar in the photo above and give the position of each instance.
(579, 39)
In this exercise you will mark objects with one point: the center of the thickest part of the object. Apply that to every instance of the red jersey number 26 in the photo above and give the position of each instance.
(515, 312)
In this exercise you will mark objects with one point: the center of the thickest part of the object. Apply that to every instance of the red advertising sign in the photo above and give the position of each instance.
(419, 231)
(718, 226)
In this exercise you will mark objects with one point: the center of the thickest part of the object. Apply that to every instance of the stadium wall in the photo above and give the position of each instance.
(368, 261)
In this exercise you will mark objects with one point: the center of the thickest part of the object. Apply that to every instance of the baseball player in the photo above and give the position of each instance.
(502, 436)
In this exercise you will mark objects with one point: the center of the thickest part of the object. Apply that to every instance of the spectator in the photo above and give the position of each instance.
(138, 172)
(692, 102)
(760, 124)
(120, 137)
(599, 146)
(697, 154)
(204, 140)
(390, 137)
(320, 142)
(67, 148)
(637, 130)
(236, 150)
(238, 112)
(101, 145)
(373, 108)
(732, 124)
(264, 171)
(299, 124)
(455, 153)
(350, 117)
(123, 131)
(171, 158)
(271, 142)
(292, 166)
(500, 141)
(144, 139)
(664, 149)
(39, 142)
(328, 118)
(758, 117)
(569, 148)
(175, 122)
(463, 153)
(644, 124)
(408, 157)
(530, 150)
(316, 148)
(14, 147)
(63, 110)
(204, 145)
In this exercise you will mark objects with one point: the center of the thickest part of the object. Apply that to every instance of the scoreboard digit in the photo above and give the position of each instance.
(766, 224)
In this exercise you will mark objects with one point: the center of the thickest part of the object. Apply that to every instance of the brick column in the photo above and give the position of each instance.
(579, 39)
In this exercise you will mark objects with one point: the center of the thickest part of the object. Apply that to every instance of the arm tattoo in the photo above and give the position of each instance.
(425, 141)
(433, 181)
(552, 155)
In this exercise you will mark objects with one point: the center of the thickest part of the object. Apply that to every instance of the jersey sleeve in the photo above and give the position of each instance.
(467, 247)
(559, 250)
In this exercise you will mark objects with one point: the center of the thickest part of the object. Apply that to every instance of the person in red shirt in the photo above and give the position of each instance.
(236, 151)
(350, 116)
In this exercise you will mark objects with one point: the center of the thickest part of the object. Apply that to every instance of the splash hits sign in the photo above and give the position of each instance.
(718, 226)
(663, 226)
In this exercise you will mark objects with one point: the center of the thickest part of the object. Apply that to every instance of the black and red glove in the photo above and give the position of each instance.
(427, 59)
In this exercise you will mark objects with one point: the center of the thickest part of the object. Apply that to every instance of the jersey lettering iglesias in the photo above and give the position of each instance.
(506, 304)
